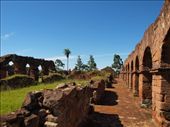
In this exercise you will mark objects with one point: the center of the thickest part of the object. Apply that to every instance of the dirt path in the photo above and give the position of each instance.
(121, 109)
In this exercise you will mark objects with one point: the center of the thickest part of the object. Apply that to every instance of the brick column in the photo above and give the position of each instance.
(45, 70)
(161, 99)
(34, 72)
(3, 73)
(19, 67)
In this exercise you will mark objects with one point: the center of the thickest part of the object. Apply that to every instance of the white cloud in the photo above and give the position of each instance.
(61, 58)
(7, 36)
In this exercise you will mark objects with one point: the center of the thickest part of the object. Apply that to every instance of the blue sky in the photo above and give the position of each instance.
(42, 29)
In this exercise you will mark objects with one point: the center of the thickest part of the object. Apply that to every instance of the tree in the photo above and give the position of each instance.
(79, 65)
(85, 67)
(117, 63)
(92, 64)
(67, 53)
(59, 64)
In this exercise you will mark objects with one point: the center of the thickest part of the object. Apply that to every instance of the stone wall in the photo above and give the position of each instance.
(146, 71)
(17, 81)
(20, 64)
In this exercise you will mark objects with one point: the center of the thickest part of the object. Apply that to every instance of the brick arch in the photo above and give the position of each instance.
(10, 68)
(27, 66)
(147, 58)
(128, 66)
(136, 77)
(165, 52)
(136, 63)
(131, 75)
(147, 76)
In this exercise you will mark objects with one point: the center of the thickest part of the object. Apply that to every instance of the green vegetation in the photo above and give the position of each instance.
(117, 63)
(67, 53)
(11, 100)
(79, 65)
(59, 65)
(92, 64)
(13, 76)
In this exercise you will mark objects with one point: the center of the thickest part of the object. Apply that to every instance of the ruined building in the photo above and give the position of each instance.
(147, 69)
(24, 65)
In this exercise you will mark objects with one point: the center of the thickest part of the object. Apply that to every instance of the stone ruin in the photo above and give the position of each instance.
(146, 71)
(20, 66)
(69, 105)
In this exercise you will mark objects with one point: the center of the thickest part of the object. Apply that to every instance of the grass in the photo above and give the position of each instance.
(11, 100)
(13, 76)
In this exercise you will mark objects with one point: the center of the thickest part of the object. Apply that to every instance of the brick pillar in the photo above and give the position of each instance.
(133, 83)
(161, 99)
(34, 72)
(136, 84)
(3, 73)
(19, 68)
(45, 70)
(128, 79)
(129, 84)
(141, 86)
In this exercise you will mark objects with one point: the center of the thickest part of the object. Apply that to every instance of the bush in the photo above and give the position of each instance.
(52, 77)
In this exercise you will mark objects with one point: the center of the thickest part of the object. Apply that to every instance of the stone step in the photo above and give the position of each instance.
(50, 124)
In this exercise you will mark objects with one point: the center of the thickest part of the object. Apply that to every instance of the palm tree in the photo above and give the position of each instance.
(67, 52)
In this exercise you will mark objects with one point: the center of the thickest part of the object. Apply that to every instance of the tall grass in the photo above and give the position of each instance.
(11, 100)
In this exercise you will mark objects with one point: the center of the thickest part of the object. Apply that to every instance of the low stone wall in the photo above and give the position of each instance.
(98, 88)
(16, 81)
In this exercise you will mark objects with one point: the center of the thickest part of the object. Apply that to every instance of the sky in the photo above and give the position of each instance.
(43, 29)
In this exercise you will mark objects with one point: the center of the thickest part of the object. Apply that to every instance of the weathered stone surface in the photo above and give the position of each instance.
(33, 101)
(17, 81)
(52, 77)
(32, 121)
(98, 93)
(66, 106)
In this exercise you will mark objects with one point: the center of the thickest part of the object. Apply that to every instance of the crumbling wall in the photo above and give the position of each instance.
(19, 66)
(68, 105)
(151, 75)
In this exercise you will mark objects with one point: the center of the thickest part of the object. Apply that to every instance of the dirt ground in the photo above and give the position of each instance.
(121, 109)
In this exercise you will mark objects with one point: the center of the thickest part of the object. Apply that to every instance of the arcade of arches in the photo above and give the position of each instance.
(146, 71)
(14, 64)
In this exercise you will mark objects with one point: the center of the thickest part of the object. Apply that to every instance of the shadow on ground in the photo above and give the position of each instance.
(109, 98)
(102, 120)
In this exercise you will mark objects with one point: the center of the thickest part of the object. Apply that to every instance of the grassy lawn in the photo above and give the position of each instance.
(11, 100)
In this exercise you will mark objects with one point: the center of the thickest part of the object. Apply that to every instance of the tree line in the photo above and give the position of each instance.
(91, 64)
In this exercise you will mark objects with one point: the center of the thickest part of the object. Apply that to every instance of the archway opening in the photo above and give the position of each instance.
(27, 69)
(128, 75)
(137, 76)
(131, 85)
(165, 56)
(147, 77)
(40, 74)
(10, 68)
